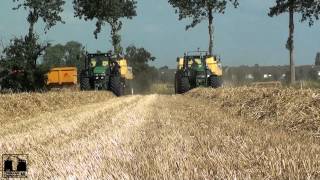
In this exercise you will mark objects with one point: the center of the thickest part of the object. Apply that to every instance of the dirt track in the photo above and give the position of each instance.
(157, 137)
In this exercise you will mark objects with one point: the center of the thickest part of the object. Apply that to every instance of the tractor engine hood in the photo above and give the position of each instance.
(201, 74)
(101, 70)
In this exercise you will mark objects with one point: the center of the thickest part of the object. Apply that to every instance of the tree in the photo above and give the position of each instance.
(70, 54)
(48, 11)
(138, 58)
(18, 74)
(106, 11)
(20, 57)
(309, 10)
(75, 54)
(145, 75)
(317, 62)
(54, 56)
(200, 10)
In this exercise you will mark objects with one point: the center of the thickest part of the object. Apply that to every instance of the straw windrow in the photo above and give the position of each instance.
(25, 105)
(293, 109)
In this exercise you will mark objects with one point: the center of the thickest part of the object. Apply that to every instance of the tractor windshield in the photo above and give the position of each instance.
(99, 61)
(196, 62)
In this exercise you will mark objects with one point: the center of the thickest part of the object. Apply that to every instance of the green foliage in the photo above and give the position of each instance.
(48, 11)
(75, 54)
(22, 53)
(54, 56)
(308, 9)
(144, 74)
(20, 71)
(70, 54)
(22, 81)
(138, 58)
(106, 11)
(199, 10)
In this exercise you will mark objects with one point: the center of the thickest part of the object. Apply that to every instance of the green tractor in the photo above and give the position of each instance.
(197, 69)
(104, 72)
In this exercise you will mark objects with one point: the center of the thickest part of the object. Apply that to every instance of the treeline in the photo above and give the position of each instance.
(248, 74)
(24, 63)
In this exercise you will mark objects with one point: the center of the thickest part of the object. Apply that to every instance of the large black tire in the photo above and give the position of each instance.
(116, 86)
(215, 81)
(176, 88)
(85, 84)
(182, 84)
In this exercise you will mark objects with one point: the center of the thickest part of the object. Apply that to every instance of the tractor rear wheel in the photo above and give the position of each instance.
(215, 81)
(116, 85)
(182, 84)
(85, 84)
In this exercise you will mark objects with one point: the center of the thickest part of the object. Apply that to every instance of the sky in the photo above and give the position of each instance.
(243, 36)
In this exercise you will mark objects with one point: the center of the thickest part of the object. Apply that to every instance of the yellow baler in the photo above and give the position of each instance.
(62, 76)
(214, 66)
(180, 61)
(125, 70)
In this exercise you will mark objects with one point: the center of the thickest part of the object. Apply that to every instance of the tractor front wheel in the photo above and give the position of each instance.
(215, 81)
(85, 84)
(116, 85)
(182, 84)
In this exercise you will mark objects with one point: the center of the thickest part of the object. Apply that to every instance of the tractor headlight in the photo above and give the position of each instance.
(220, 65)
(97, 77)
(201, 76)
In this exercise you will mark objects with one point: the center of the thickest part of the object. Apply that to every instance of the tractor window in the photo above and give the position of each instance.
(105, 63)
(197, 61)
(102, 61)
(99, 61)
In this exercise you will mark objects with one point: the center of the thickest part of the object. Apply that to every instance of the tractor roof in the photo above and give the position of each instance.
(99, 54)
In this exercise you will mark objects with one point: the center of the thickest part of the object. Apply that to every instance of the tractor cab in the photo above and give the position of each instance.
(196, 63)
(99, 64)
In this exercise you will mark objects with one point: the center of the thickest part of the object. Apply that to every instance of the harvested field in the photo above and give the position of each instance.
(295, 110)
(24, 105)
(163, 137)
(162, 89)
